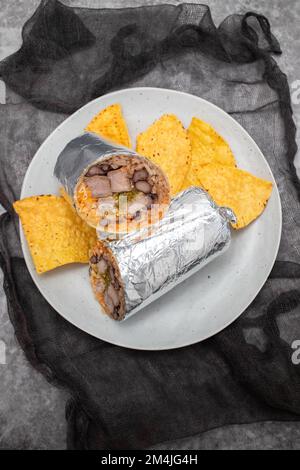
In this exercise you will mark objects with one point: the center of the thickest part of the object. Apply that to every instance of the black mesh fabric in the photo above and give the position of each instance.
(122, 398)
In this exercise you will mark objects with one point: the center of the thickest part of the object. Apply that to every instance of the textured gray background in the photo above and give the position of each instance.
(31, 410)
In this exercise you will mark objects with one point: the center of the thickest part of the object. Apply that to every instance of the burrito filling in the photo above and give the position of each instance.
(106, 282)
(119, 192)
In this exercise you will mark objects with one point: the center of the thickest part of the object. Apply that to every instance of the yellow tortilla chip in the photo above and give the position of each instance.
(208, 146)
(66, 196)
(56, 235)
(191, 179)
(110, 124)
(166, 143)
(244, 193)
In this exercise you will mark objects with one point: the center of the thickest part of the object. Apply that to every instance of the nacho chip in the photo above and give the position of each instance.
(191, 179)
(66, 196)
(244, 193)
(110, 124)
(208, 146)
(56, 235)
(166, 143)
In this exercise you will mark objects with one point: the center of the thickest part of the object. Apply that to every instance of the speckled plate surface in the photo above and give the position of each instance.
(208, 301)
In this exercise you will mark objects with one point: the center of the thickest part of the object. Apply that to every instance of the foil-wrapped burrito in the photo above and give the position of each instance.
(111, 187)
(128, 274)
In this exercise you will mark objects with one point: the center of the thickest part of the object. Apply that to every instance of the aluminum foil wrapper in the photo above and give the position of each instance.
(154, 260)
(79, 154)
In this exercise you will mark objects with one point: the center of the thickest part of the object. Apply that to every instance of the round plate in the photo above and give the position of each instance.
(208, 301)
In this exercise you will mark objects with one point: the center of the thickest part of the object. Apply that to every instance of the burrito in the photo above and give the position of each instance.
(112, 187)
(128, 274)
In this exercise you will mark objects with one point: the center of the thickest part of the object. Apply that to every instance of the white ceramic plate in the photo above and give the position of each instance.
(208, 301)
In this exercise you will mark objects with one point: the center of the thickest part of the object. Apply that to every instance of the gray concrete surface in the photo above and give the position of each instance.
(32, 411)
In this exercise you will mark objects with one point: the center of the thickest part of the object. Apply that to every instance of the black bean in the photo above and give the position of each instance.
(140, 175)
(137, 215)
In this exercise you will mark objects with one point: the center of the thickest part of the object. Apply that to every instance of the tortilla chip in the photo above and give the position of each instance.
(66, 196)
(208, 146)
(110, 124)
(191, 179)
(56, 235)
(166, 143)
(237, 189)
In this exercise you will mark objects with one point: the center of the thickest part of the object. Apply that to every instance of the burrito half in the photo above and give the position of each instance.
(113, 188)
(128, 274)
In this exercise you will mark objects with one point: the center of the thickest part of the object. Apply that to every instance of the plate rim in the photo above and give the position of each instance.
(243, 131)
